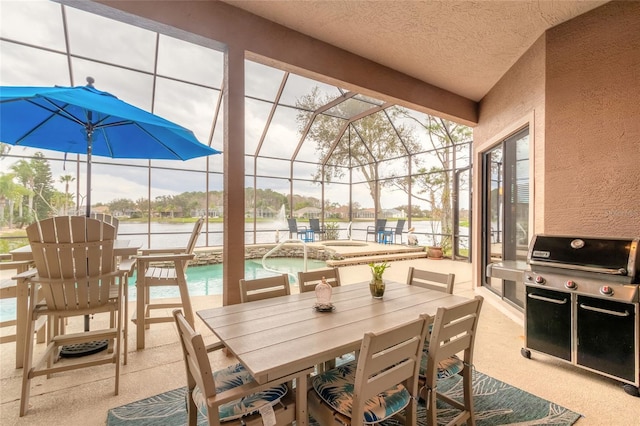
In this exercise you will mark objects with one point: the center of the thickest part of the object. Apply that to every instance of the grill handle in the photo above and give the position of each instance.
(547, 299)
(604, 311)
(618, 271)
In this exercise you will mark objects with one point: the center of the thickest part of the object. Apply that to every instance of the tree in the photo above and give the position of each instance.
(10, 192)
(25, 175)
(434, 185)
(42, 186)
(366, 142)
(67, 179)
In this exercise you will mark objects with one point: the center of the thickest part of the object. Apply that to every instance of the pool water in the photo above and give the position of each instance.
(205, 280)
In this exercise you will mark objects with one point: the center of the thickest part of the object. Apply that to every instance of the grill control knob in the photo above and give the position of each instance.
(570, 284)
(539, 279)
(606, 290)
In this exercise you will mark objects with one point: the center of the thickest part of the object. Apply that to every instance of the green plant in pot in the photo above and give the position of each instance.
(376, 285)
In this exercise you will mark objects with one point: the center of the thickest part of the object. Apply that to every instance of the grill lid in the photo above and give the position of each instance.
(613, 256)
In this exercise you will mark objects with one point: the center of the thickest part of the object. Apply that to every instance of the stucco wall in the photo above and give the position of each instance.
(592, 157)
(516, 101)
(578, 88)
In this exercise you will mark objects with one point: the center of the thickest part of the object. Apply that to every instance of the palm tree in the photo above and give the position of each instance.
(66, 179)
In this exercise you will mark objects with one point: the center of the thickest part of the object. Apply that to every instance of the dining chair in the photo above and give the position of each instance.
(264, 288)
(454, 331)
(77, 276)
(382, 383)
(307, 281)
(314, 225)
(230, 393)
(294, 229)
(431, 280)
(162, 267)
(376, 230)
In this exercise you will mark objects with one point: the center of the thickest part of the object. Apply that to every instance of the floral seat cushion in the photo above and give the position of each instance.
(336, 386)
(232, 377)
(446, 368)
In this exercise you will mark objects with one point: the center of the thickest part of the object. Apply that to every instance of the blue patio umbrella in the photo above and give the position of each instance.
(84, 120)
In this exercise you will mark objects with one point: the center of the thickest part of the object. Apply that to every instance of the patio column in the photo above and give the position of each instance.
(233, 238)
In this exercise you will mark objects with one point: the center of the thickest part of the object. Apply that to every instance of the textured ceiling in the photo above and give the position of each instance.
(461, 46)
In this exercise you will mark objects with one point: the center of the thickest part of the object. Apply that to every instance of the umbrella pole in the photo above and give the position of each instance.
(82, 349)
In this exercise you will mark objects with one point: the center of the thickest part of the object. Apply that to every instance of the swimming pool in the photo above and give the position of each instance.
(205, 280)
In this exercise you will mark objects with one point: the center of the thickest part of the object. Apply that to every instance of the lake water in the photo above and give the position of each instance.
(177, 234)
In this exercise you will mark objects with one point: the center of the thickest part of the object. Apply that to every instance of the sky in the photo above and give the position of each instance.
(121, 58)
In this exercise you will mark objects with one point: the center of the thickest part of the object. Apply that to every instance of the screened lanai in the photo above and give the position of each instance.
(311, 149)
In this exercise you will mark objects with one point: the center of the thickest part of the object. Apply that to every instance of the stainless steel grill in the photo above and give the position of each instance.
(582, 304)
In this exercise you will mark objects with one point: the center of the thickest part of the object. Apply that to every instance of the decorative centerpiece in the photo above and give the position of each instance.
(323, 296)
(376, 285)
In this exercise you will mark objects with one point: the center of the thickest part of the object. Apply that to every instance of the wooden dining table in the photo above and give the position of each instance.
(277, 337)
(122, 248)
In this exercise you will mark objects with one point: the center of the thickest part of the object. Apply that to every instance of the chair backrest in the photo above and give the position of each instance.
(307, 281)
(431, 280)
(293, 224)
(314, 224)
(196, 361)
(400, 226)
(454, 331)
(111, 220)
(380, 224)
(193, 239)
(264, 288)
(74, 258)
(389, 358)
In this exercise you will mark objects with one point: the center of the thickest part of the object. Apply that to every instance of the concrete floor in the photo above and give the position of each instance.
(83, 397)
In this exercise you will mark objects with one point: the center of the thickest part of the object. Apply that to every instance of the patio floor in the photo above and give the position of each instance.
(83, 397)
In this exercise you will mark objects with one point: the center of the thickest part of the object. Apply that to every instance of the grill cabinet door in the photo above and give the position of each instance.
(548, 328)
(606, 336)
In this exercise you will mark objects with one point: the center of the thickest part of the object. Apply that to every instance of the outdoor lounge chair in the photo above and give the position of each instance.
(294, 229)
(453, 331)
(397, 230)
(376, 230)
(151, 272)
(382, 383)
(9, 289)
(318, 231)
(111, 220)
(77, 277)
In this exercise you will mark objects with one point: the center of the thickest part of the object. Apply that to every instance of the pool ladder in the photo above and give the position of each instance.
(276, 248)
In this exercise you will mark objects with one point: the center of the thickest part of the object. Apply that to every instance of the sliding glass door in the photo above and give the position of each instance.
(505, 209)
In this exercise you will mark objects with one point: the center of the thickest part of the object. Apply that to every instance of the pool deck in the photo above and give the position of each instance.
(335, 252)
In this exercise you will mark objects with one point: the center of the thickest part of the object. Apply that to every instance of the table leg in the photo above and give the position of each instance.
(302, 413)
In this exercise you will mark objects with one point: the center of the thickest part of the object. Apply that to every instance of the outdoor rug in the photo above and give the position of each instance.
(496, 403)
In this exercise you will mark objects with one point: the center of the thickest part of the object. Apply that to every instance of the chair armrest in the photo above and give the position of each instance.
(216, 346)
(371, 229)
(25, 275)
(127, 265)
(168, 250)
(165, 258)
(302, 228)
